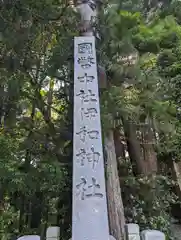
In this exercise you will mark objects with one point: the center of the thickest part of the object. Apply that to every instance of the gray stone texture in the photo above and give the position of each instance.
(90, 217)
(132, 231)
(53, 233)
(152, 235)
(29, 237)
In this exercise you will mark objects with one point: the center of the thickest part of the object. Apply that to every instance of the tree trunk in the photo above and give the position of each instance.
(134, 148)
(1, 104)
(120, 150)
(149, 153)
(176, 172)
(21, 215)
(44, 222)
(119, 146)
(141, 150)
(115, 204)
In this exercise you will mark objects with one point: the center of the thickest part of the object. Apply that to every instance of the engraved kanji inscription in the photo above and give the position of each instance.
(86, 78)
(92, 134)
(86, 62)
(87, 97)
(88, 113)
(89, 202)
(81, 156)
(91, 157)
(86, 190)
(85, 48)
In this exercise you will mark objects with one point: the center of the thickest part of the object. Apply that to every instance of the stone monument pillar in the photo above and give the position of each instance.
(152, 235)
(29, 237)
(132, 231)
(53, 233)
(90, 217)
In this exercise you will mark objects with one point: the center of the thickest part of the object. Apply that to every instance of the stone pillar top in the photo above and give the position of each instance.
(132, 228)
(152, 235)
(29, 237)
(53, 232)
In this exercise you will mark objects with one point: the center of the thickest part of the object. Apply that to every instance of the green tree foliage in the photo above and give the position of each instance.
(36, 63)
(141, 54)
(140, 49)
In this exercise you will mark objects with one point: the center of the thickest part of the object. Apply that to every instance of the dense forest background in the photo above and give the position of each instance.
(140, 49)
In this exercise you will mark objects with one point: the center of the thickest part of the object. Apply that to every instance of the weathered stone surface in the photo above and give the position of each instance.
(112, 238)
(90, 218)
(53, 233)
(29, 237)
(152, 235)
(132, 231)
